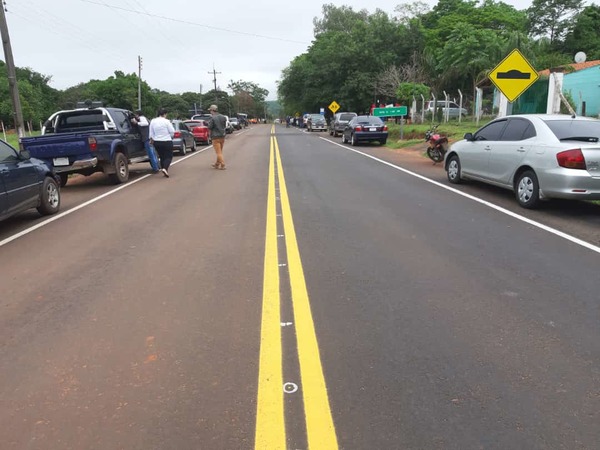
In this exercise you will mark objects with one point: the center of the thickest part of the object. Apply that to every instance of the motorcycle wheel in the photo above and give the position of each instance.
(435, 155)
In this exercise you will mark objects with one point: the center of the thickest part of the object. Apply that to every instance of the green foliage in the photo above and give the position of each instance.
(406, 91)
(584, 35)
(552, 18)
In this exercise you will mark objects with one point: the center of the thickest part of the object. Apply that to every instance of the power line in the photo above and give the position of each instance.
(195, 24)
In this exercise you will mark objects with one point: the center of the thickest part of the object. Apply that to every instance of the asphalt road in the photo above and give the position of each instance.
(312, 295)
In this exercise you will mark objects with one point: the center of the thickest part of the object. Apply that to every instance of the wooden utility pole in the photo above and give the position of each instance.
(12, 75)
(214, 73)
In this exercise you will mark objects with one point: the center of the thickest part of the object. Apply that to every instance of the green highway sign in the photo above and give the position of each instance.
(390, 112)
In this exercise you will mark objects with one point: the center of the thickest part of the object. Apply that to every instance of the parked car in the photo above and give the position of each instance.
(205, 117)
(339, 121)
(89, 140)
(183, 138)
(537, 156)
(235, 123)
(26, 183)
(200, 131)
(316, 122)
(453, 109)
(365, 129)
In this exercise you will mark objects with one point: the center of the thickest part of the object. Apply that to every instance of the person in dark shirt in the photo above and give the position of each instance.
(144, 126)
(217, 124)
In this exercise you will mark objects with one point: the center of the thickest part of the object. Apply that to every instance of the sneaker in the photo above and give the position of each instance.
(214, 166)
(165, 173)
(222, 167)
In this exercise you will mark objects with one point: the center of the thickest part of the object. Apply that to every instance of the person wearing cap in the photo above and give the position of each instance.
(217, 124)
(161, 137)
(144, 126)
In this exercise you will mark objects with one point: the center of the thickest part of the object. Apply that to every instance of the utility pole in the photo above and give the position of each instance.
(214, 73)
(139, 82)
(12, 74)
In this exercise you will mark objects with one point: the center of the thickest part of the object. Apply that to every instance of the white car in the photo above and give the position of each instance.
(538, 156)
(453, 109)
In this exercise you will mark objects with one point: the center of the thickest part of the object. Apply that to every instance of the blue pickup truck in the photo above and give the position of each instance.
(89, 140)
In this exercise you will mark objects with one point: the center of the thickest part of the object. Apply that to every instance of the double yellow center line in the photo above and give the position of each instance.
(270, 420)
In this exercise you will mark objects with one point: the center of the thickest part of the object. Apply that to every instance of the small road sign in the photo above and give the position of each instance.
(391, 111)
(333, 107)
(514, 75)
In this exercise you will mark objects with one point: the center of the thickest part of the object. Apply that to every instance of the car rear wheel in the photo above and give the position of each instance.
(121, 174)
(183, 150)
(49, 197)
(194, 145)
(353, 140)
(527, 190)
(453, 170)
(383, 141)
(344, 138)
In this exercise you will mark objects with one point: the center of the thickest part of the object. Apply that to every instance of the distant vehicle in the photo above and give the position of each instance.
(365, 129)
(453, 109)
(235, 123)
(89, 140)
(338, 122)
(316, 122)
(228, 125)
(537, 156)
(26, 183)
(199, 130)
(183, 138)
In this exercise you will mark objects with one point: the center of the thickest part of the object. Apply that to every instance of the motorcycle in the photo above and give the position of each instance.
(438, 145)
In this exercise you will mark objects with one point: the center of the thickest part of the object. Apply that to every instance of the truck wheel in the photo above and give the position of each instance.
(64, 177)
(49, 197)
(122, 169)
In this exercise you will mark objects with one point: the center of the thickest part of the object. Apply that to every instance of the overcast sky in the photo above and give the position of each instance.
(75, 41)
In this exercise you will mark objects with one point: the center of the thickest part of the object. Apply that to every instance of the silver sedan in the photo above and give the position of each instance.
(537, 156)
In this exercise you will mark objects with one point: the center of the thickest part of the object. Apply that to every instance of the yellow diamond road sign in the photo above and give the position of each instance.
(334, 106)
(513, 75)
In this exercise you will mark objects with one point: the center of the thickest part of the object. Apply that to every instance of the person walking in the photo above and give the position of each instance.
(161, 136)
(217, 124)
(144, 126)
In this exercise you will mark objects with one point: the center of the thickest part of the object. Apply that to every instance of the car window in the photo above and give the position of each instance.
(346, 116)
(491, 132)
(583, 130)
(7, 153)
(517, 130)
(316, 117)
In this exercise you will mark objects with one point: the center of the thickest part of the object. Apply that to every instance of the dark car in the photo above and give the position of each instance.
(26, 183)
(183, 138)
(316, 122)
(339, 121)
(365, 129)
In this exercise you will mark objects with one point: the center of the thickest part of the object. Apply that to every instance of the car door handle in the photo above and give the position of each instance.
(521, 150)
(488, 148)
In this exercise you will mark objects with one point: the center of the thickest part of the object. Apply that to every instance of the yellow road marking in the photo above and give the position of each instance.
(270, 420)
(320, 429)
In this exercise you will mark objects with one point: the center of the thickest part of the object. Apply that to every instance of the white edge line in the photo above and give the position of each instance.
(89, 202)
(554, 231)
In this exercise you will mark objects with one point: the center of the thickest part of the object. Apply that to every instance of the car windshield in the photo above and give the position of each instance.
(575, 130)
(369, 120)
(197, 123)
(316, 117)
(347, 117)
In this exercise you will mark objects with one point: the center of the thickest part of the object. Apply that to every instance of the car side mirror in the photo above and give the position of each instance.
(469, 137)
(24, 154)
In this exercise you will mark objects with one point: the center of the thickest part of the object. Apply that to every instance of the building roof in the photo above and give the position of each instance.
(572, 67)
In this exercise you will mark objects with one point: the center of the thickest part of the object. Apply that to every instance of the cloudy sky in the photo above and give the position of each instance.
(180, 41)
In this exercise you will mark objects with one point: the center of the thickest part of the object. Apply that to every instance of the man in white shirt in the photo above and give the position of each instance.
(161, 136)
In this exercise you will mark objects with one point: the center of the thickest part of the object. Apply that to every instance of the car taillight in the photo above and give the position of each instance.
(571, 159)
(177, 134)
(358, 128)
(385, 128)
(92, 143)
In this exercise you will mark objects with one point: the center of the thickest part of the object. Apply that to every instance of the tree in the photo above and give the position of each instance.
(406, 92)
(584, 35)
(552, 18)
